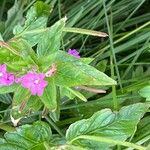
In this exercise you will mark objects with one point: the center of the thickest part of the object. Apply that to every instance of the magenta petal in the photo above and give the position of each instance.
(26, 83)
(10, 79)
(40, 91)
(34, 82)
(27, 80)
(74, 53)
(3, 79)
(41, 75)
(44, 83)
(7, 79)
(3, 68)
(33, 90)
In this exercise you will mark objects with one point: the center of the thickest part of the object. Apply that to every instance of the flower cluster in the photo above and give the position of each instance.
(33, 81)
(6, 78)
(74, 53)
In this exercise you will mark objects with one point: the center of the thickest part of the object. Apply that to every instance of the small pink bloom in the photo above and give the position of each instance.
(74, 53)
(6, 78)
(34, 82)
(3, 68)
(10, 79)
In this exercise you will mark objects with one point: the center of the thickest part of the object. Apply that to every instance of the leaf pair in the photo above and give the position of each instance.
(106, 127)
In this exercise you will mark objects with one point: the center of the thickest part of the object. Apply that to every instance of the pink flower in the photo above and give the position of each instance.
(10, 79)
(74, 53)
(6, 78)
(34, 82)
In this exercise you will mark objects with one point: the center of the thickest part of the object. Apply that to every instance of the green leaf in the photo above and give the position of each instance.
(27, 137)
(6, 55)
(27, 56)
(138, 72)
(5, 98)
(142, 134)
(64, 92)
(8, 89)
(28, 106)
(46, 62)
(49, 96)
(145, 92)
(34, 103)
(18, 66)
(28, 52)
(2, 141)
(67, 147)
(73, 72)
(148, 147)
(35, 19)
(51, 39)
(1, 38)
(42, 9)
(21, 94)
(87, 60)
(85, 31)
(76, 93)
(105, 123)
(14, 15)
(101, 66)
(2, 28)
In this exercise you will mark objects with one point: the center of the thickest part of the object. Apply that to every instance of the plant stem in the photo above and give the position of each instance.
(59, 9)
(112, 59)
(67, 29)
(112, 45)
(93, 90)
(114, 96)
(54, 126)
(121, 39)
(2, 9)
(85, 31)
(96, 102)
(132, 32)
(3, 44)
(60, 16)
(109, 141)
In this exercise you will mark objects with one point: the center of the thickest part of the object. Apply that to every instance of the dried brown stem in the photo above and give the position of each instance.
(93, 90)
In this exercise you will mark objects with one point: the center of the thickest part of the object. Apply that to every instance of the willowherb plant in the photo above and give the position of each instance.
(36, 66)
(38, 73)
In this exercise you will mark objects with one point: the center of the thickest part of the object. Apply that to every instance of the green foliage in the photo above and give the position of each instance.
(70, 71)
(73, 72)
(49, 96)
(106, 127)
(145, 92)
(5, 98)
(105, 123)
(49, 39)
(20, 95)
(14, 15)
(40, 35)
(78, 94)
(27, 137)
(5, 89)
(35, 19)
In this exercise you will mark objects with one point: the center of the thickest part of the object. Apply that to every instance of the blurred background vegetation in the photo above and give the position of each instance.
(124, 55)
